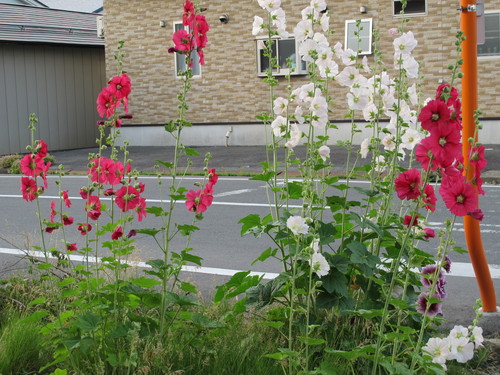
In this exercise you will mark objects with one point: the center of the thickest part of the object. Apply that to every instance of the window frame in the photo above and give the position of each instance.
(490, 56)
(279, 72)
(412, 14)
(370, 35)
(176, 67)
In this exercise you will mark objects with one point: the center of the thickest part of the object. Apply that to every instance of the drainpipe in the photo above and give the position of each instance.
(228, 134)
(468, 24)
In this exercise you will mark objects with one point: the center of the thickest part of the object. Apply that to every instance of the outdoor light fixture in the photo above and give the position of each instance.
(224, 18)
(163, 24)
(362, 9)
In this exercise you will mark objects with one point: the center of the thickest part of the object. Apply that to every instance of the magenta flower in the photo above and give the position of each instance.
(29, 189)
(127, 198)
(460, 197)
(408, 184)
(435, 114)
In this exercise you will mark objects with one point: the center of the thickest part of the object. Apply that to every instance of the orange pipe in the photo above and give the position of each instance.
(468, 24)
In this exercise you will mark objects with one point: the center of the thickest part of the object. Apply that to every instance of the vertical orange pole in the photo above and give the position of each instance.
(468, 24)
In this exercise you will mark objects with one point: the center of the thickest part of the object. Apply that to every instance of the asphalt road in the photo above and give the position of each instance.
(219, 242)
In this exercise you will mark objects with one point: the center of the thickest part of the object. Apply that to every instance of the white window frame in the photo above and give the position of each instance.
(412, 14)
(195, 61)
(495, 56)
(260, 45)
(365, 22)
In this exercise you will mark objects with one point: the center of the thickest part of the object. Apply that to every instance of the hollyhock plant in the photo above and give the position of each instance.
(434, 114)
(93, 207)
(127, 198)
(408, 184)
(32, 165)
(429, 198)
(297, 225)
(65, 198)
(67, 220)
(434, 308)
(84, 228)
(29, 189)
(410, 220)
(189, 13)
(438, 349)
(117, 233)
(197, 201)
(106, 103)
(120, 86)
(460, 197)
(71, 246)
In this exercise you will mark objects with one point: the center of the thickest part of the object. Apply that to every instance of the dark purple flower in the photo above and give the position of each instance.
(434, 308)
(429, 270)
(447, 264)
(440, 289)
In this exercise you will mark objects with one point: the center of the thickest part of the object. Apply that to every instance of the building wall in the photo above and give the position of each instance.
(229, 89)
(58, 83)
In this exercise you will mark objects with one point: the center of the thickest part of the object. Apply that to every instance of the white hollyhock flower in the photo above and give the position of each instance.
(461, 349)
(297, 225)
(409, 64)
(338, 50)
(324, 152)
(270, 5)
(319, 264)
(278, 17)
(458, 332)
(280, 105)
(405, 44)
(348, 57)
(365, 147)
(305, 92)
(380, 164)
(358, 98)
(307, 49)
(325, 22)
(258, 25)
(438, 349)
(412, 92)
(410, 139)
(320, 119)
(330, 70)
(321, 40)
(348, 76)
(303, 31)
(477, 336)
(389, 143)
(295, 136)
(307, 13)
(370, 111)
(299, 115)
(279, 126)
(325, 55)
(318, 5)
(318, 103)
(364, 64)
(282, 33)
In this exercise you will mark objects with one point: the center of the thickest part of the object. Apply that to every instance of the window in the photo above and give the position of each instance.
(180, 59)
(412, 7)
(491, 46)
(283, 49)
(364, 46)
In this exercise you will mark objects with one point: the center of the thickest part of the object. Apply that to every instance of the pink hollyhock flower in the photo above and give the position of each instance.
(67, 220)
(443, 90)
(104, 170)
(477, 158)
(445, 144)
(435, 114)
(117, 233)
(120, 86)
(460, 197)
(429, 233)
(183, 41)
(410, 220)
(66, 199)
(477, 214)
(212, 176)
(53, 211)
(197, 201)
(140, 187)
(477, 181)
(201, 28)
(408, 184)
(86, 191)
(188, 15)
(29, 189)
(201, 55)
(42, 148)
(429, 198)
(49, 229)
(424, 155)
(127, 198)
(434, 308)
(109, 192)
(106, 103)
(84, 228)
(71, 246)
(32, 165)
(93, 207)
(141, 209)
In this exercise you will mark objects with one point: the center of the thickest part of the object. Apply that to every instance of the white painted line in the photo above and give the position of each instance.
(158, 201)
(234, 192)
(457, 269)
(194, 269)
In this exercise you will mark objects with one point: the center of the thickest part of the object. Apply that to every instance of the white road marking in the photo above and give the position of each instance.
(457, 269)
(234, 192)
(194, 269)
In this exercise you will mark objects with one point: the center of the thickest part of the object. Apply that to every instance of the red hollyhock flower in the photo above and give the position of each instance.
(212, 176)
(67, 220)
(117, 233)
(197, 201)
(104, 170)
(443, 90)
(435, 114)
(429, 198)
(460, 197)
(477, 214)
(477, 158)
(140, 187)
(410, 220)
(445, 144)
(424, 155)
(66, 199)
(42, 148)
(408, 184)
(85, 191)
(84, 228)
(93, 207)
(429, 233)
(29, 189)
(477, 181)
(71, 246)
(53, 211)
(188, 15)
(141, 209)
(183, 41)
(106, 103)
(127, 198)
(120, 86)
(32, 165)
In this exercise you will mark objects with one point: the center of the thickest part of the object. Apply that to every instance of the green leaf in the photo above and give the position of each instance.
(44, 266)
(150, 232)
(311, 341)
(35, 317)
(265, 255)
(166, 164)
(88, 322)
(203, 322)
(151, 299)
(191, 151)
(187, 257)
(278, 356)
(145, 282)
(355, 353)
(294, 189)
(156, 211)
(38, 301)
(66, 281)
(239, 283)
(181, 300)
(272, 324)
(120, 331)
(58, 371)
(263, 176)
(188, 288)
(249, 222)
(186, 229)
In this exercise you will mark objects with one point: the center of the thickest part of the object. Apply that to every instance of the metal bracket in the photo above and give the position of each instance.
(470, 8)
